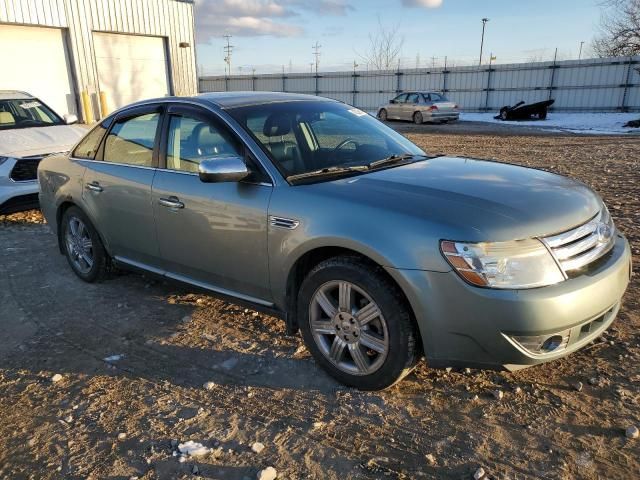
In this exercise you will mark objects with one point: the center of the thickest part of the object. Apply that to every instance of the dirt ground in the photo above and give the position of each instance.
(122, 418)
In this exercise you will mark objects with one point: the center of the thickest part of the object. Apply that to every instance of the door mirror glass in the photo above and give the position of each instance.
(70, 119)
(222, 169)
(392, 101)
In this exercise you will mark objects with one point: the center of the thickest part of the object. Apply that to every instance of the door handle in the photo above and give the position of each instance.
(171, 202)
(94, 187)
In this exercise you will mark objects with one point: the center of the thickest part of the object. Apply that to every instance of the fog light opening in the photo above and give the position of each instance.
(552, 343)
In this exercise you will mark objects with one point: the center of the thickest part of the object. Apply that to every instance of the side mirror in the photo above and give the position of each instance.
(222, 169)
(392, 101)
(70, 119)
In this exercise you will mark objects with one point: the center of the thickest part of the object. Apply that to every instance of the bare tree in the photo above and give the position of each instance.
(385, 48)
(619, 29)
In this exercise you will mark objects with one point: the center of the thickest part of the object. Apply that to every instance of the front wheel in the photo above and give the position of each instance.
(356, 324)
(382, 115)
(82, 246)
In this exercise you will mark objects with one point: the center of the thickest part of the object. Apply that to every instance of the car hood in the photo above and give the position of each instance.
(24, 142)
(478, 200)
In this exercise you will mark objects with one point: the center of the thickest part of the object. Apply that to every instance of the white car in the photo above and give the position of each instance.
(29, 131)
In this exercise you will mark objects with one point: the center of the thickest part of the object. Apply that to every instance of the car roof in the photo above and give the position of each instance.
(243, 99)
(14, 95)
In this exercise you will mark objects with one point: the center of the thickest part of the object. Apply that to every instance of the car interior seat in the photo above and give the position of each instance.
(7, 118)
(284, 151)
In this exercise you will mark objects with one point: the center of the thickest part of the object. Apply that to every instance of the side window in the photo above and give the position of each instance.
(192, 140)
(401, 98)
(131, 140)
(89, 145)
(412, 98)
(435, 97)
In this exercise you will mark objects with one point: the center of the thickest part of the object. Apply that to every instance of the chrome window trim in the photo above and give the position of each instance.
(113, 163)
(225, 118)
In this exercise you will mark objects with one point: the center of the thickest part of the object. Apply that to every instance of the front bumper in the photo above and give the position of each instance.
(16, 196)
(462, 325)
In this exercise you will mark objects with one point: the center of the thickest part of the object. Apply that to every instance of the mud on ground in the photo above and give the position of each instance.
(264, 386)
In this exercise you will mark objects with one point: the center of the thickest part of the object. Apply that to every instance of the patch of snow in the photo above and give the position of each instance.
(114, 358)
(585, 123)
(192, 448)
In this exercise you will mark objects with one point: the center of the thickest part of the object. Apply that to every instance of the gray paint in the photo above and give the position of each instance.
(396, 217)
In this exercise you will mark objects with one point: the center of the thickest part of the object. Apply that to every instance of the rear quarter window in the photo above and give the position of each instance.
(89, 145)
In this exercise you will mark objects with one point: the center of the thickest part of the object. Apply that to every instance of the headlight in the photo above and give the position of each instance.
(508, 265)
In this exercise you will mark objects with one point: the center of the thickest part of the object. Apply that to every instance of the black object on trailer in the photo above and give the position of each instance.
(522, 111)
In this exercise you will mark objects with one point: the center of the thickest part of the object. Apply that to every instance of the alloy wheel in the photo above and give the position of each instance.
(79, 245)
(349, 328)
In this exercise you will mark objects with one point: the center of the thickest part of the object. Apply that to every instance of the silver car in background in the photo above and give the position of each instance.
(420, 107)
(318, 213)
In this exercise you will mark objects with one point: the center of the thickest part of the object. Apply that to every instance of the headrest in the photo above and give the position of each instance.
(7, 118)
(205, 135)
(276, 125)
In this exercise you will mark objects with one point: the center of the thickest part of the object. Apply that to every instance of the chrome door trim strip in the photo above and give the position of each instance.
(196, 283)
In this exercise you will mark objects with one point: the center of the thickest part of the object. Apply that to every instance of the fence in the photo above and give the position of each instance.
(601, 84)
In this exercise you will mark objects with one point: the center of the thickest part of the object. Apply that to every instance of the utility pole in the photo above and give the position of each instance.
(228, 49)
(484, 24)
(316, 53)
(433, 62)
(580, 53)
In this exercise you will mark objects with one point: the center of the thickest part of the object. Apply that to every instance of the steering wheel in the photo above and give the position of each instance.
(346, 141)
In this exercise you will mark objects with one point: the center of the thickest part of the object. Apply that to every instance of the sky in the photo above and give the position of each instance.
(270, 34)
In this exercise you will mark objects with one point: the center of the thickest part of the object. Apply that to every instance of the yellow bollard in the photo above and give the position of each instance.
(104, 109)
(86, 106)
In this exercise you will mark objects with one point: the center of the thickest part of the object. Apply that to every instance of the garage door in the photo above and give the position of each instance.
(34, 59)
(130, 67)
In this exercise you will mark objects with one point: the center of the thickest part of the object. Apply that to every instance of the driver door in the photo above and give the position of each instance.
(394, 110)
(210, 234)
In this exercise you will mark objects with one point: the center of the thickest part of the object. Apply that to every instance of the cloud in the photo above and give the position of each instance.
(422, 3)
(254, 18)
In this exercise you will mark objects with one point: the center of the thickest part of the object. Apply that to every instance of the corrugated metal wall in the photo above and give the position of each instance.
(607, 84)
(172, 19)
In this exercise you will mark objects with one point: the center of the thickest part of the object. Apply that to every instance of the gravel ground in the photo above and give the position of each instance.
(126, 416)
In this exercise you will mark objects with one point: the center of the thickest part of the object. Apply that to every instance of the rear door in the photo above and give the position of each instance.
(410, 106)
(211, 234)
(117, 186)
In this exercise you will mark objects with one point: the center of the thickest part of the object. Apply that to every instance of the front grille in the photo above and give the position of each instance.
(581, 246)
(25, 169)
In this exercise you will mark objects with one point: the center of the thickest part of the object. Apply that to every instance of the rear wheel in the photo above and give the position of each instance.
(356, 324)
(82, 246)
(417, 118)
(382, 115)
(542, 115)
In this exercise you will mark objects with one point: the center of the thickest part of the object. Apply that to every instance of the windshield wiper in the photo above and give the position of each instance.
(329, 171)
(395, 158)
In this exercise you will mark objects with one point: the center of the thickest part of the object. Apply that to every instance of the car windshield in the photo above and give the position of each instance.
(26, 113)
(303, 137)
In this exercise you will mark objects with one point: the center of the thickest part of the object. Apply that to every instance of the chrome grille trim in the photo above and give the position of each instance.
(577, 248)
(282, 222)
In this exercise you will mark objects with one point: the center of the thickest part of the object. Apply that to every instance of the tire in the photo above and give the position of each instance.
(382, 115)
(504, 114)
(372, 344)
(77, 234)
(417, 118)
(542, 115)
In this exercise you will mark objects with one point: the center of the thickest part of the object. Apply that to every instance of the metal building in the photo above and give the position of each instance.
(88, 57)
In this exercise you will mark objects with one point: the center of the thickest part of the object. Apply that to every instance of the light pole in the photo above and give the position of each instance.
(580, 53)
(484, 24)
